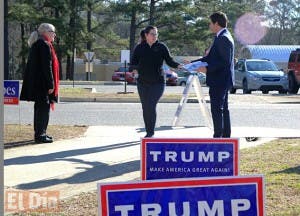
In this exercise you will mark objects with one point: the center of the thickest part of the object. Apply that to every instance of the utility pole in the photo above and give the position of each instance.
(6, 50)
(1, 106)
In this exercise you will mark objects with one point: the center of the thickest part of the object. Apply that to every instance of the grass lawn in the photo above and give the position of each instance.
(23, 134)
(279, 161)
(86, 93)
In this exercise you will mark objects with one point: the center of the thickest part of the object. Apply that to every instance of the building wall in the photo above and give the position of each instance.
(101, 72)
(104, 72)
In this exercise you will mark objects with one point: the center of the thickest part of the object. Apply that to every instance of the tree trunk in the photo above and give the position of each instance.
(73, 56)
(152, 11)
(23, 49)
(68, 68)
(58, 49)
(132, 31)
(59, 57)
(89, 26)
(70, 59)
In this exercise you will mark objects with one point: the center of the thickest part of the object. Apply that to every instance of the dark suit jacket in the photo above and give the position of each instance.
(220, 60)
(38, 77)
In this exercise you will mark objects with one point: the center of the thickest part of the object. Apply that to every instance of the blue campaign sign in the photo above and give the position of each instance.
(188, 158)
(217, 196)
(11, 92)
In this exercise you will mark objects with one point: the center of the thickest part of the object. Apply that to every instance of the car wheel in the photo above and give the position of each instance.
(183, 84)
(293, 87)
(265, 92)
(232, 90)
(245, 87)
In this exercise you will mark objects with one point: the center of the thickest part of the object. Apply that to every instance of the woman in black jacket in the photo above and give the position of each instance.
(41, 79)
(147, 59)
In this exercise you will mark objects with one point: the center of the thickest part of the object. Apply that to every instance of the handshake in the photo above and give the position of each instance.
(198, 66)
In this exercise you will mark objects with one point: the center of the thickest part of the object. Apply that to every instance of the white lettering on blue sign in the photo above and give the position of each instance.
(9, 91)
(186, 209)
(171, 156)
(239, 205)
(217, 208)
(151, 209)
(124, 209)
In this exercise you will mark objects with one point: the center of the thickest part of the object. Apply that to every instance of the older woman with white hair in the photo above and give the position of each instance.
(41, 79)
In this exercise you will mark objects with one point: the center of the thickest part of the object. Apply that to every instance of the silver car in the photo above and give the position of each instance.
(259, 74)
(183, 76)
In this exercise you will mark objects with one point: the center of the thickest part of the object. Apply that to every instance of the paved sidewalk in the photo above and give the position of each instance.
(103, 154)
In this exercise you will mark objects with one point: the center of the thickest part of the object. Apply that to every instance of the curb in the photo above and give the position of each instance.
(124, 100)
(63, 82)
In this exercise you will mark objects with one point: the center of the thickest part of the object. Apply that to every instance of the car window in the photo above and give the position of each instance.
(236, 66)
(241, 66)
(122, 69)
(298, 60)
(292, 57)
(165, 68)
(179, 73)
(183, 74)
(261, 66)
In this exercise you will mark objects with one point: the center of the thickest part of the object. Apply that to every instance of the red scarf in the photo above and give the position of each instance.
(55, 69)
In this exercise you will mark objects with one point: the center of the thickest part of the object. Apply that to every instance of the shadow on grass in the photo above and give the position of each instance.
(96, 172)
(88, 171)
(295, 170)
(19, 143)
(65, 155)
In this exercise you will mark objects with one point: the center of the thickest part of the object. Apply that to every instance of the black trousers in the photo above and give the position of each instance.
(41, 117)
(149, 96)
(220, 111)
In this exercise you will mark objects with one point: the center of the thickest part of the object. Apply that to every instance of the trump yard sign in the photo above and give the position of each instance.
(164, 158)
(219, 196)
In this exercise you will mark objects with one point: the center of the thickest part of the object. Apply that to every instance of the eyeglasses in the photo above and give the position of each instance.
(153, 34)
(52, 31)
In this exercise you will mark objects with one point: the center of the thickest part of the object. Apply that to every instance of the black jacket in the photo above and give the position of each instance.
(38, 77)
(220, 60)
(149, 60)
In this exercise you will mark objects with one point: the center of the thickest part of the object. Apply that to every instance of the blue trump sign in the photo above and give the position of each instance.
(11, 92)
(188, 158)
(233, 196)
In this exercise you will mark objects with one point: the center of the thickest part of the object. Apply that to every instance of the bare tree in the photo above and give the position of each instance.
(282, 15)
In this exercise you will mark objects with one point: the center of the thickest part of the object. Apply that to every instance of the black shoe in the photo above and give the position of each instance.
(149, 135)
(50, 137)
(43, 139)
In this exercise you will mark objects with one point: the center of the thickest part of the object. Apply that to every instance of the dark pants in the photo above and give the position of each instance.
(41, 117)
(220, 112)
(149, 96)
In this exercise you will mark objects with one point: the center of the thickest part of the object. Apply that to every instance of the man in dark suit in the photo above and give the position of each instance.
(220, 73)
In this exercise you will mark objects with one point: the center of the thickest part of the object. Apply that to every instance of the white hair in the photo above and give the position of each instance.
(44, 27)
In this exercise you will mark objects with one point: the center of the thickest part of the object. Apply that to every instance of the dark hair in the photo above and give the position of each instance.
(220, 18)
(149, 28)
(142, 36)
(144, 32)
